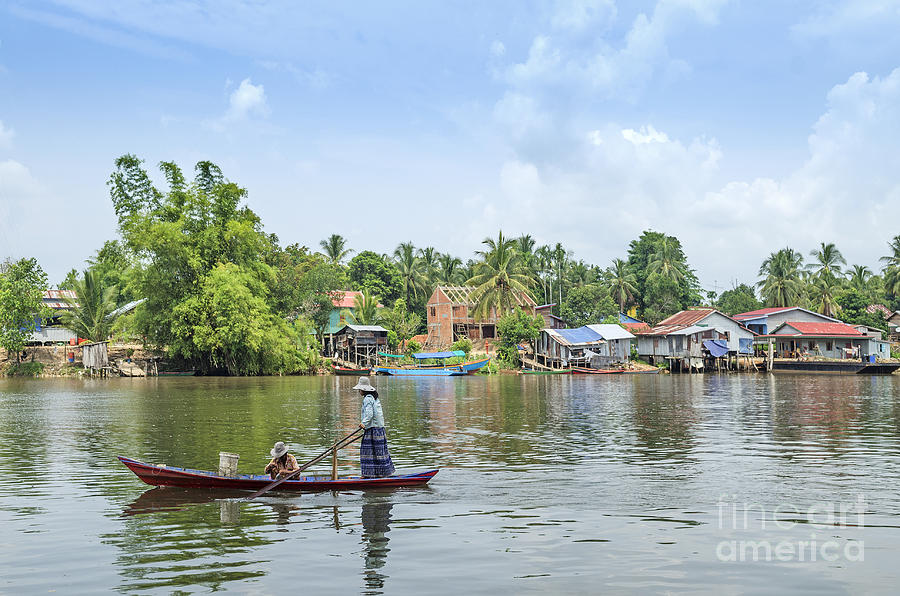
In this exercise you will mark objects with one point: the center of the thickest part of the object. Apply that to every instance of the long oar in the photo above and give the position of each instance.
(339, 445)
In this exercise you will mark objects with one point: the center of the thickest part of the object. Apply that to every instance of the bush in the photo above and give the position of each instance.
(462, 345)
(412, 347)
(25, 369)
(514, 328)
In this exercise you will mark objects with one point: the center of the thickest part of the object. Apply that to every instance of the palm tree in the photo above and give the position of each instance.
(782, 283)
(893, 259)
(828, 260)
(499, 278)
(365, 309)
(822, 291)
(449, 270)
(666, 260)
(559, 263)
(335, 248)
(410, 267)
(580, 274)
(622, 283)
(429, 258)
(859, 276)
(543, 270)
(90, 313)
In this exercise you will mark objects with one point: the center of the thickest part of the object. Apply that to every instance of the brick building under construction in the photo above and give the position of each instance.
(450, 315)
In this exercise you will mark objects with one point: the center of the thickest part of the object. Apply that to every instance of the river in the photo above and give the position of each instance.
(624, 484)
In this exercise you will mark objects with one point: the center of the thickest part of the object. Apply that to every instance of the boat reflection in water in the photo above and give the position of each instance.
(376, 522)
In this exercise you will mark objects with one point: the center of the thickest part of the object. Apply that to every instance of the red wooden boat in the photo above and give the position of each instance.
(579, 370)
(161, 475)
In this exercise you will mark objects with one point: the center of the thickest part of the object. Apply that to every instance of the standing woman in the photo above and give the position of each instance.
(374, 458)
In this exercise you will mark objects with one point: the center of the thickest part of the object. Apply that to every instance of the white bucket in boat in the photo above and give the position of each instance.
(228, 463)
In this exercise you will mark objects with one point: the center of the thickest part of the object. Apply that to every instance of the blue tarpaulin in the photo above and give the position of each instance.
(745, 345)
(716, 347)
(581, 335)
(424, 355)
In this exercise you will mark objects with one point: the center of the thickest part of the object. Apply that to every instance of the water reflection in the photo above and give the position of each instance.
(376, 523)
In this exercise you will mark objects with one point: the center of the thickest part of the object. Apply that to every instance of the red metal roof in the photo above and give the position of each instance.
(687, 317)
(636, 327)
(825, 329)
(880, 309)
(348, 301)
(755, 314)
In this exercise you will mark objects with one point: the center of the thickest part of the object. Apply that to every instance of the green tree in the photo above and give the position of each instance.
(827, 260)
(90, 313)
(656, 255)
(335, 249)
(741, 298)
(823, 291)
(586, 305)
(667, 260)
(622, 283)
(22, 285)
(412, 276)
(661, 297)
(201, 258)
(402, 322)
(514, 328)
(853, 305)
(113, 268)
(781, 283)
(370, 271)
(365, 309)
(449, 270)
(859, 278)
(498, 278)
(319, 288)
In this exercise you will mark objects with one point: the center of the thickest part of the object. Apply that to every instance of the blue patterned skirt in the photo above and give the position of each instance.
(374, 458)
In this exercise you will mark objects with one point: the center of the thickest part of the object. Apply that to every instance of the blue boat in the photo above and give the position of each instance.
(397, 371)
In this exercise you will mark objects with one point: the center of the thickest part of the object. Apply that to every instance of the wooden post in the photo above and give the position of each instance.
(334, 462)
(771, 355)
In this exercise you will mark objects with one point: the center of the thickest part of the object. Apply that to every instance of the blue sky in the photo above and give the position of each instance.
(739, 127)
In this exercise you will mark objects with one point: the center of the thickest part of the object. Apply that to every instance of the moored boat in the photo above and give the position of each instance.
(177, 373)
(580, 370)
(161, 475)
(561, 371)
(398, 371)
(350, 372)
(848, 367)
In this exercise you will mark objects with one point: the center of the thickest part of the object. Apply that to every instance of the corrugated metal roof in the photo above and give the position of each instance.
(824, 328)
(348, 300)
(59, 294)
(879, 308)
(765, 312)
(687, 317)
(365, 328)
(575, 337)
(608, 331)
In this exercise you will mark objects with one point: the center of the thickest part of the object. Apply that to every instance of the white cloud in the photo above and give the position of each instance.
(244, 103)
(616, 181)
(594, 65)
(497, 48)
(6, 136)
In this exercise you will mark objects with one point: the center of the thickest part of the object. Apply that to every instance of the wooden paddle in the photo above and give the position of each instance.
(358, 433)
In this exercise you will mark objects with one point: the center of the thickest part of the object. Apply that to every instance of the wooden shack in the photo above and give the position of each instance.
(360, 344)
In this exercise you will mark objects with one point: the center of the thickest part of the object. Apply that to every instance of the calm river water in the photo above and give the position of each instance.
(624, 484)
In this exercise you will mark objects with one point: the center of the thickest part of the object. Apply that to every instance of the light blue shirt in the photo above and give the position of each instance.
(372, 414)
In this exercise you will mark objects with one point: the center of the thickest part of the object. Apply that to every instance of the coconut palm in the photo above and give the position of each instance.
(559, 264)
(580, 274)
(410, 267)
(429, 259)
(822, 294)
(335, 249)
(782, 283)
(365, 308)
(666, 260)
(498, 278)
(893, 259)
(543, 271)
(449, 270)
(622, 283)
(90, 313)
(827, 260)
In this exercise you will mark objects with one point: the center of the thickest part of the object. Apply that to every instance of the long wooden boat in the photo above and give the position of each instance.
(177, 373)
(160, 475)
(849, 367)
(350, 372)
(561, 371)
(474, 364)
(654, 371)
(398, 371)
(578, 370)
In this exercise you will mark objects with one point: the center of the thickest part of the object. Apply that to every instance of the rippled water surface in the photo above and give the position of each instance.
(547, 485)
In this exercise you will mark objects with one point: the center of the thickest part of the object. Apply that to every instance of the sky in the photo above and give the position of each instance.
(740, 127)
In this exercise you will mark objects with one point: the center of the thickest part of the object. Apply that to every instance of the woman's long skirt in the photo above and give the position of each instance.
(374, 458)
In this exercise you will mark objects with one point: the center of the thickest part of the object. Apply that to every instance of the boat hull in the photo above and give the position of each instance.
(547, 372)
(418, 372)
(350, 372)
(597, 371)
(474, 365)
(186, 478)
(840, 368)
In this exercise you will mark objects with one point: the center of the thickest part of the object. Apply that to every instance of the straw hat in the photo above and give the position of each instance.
(364, 384)
(278, 450)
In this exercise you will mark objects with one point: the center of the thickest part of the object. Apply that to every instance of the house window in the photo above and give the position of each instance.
(433, 311)
(829, 346)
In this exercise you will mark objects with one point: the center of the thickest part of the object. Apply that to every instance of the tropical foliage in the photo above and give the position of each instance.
(499, 279)
(22, 284)
(91, 312)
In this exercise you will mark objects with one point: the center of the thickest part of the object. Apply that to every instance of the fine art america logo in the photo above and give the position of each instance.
(812, 546)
